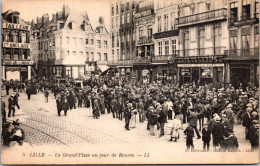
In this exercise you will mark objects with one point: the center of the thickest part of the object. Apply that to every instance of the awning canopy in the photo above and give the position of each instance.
(103, 68)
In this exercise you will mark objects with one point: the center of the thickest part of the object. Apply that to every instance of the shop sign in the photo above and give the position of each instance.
(165, 34)
(16, 26)
(26, 63)
(201, 65)
(201, 59)
(128, 70)
(16, 45)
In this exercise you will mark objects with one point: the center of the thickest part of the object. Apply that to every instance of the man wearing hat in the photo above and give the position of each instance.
(17, 133)
(193, 118)
(247, 121)
(3, 112)
(59, 105)
(127, 113)
(11, 105)
(217, 129)
(230, 116)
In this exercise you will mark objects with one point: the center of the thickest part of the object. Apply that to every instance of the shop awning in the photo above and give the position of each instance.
(103, 68)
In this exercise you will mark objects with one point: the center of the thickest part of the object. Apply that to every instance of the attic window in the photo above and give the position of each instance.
(16, 19)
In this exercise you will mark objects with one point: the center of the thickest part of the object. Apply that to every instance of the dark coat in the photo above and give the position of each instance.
(80, 96)
(127, 112)
(189, 132)
(217, 130)
(28, 90)
(152, 118)
(193, 118)
(247, 120)
(162, 117)
(59, 104)
(206, 135)
(230, 144)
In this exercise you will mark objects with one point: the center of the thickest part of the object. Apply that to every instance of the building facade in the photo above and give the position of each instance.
(67, 44)
(203, 39)
(16, 60)
(243, 53)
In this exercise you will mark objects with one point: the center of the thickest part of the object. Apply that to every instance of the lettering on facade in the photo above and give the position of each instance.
(165, 34)
(202, 59)
(16, 45)
(14, 63)
(16, 26)
(201, 65)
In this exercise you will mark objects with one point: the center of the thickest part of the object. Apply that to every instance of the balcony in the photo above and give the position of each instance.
(165, 58)
(145, 41)
(146, 12)
(210, 16)
(203, 51)
(244, 20)
(128, 62)
(242, 54)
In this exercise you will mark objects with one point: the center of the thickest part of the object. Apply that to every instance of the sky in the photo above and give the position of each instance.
(30, 9)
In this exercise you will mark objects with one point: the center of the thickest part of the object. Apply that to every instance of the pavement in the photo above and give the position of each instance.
(43, 126)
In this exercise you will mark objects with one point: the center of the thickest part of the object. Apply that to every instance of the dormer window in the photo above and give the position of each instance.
(16, 19)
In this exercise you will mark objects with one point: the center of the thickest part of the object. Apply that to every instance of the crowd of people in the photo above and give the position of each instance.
(206, 110)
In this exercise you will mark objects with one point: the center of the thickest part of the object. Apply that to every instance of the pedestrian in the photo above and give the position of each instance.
(7, 87)
(120, 108)
(217, 132)
(230, 116)
(113, 106)
(206, 137)
(162, 119)
(153, 119)
(80, 98)
(247, 121)
(127, 113)
(189, 137)
(46, 94)
(96, 108)
(170, 108)
(17, 133)
(140, 108)
(3, 111)
(193, 118)
(29, 92)
(59, 105)
(11, 105)
(65, 104)
(229, 143)
(176, 123)
(16, 96)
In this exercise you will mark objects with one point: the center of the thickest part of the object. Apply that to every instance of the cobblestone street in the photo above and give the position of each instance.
(43, 127)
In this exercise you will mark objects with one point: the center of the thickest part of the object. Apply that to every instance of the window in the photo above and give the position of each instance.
(245, 42)
(217, 38)
(185, 42)
(246, 10)
(172, 20)
(15, 37)
(174, 47)
(201, 44)
(81, 53)
(233, 41)
(112, 10)
(53, 42)
(68, 53)
(113, 40)
(113, 54)
(15, 19)
(112, 23)
(116, 8)
(122, 19)
(87, 56)
(166, 44)
(127, 17)
(166, 22)
(99, 56)
(117, 21)
(67, 40)
(150, 32)
(92, 56)
(105, 56)
(256, 36)
(140, 32)
(257, 9)
(99, 43)
(23, 38)
(159, 23)
(233, 12)
(160, 48)
(92, 41)
(86, 41)
(117, 39)
(74, 53)
(117, 54)
(105, 44)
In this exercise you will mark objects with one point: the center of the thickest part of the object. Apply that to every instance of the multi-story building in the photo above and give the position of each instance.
(67, 43)
(144, 19)
(16, 61)
(203, 37)
(102, 48)
(166, 40)
(243, 53)
(123, 36)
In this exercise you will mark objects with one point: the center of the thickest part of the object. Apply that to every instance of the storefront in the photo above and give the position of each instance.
(201, 70)
(16, 70)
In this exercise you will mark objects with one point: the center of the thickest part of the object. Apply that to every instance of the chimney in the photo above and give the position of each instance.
(101, 20)
(65, 11)
(54, 18)
(45, 18)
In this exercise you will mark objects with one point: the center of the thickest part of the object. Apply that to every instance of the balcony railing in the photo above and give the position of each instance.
(250, 53)
(203, 51)
(143, 41)
(244, 20)
(165, 58)
(201, 17)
